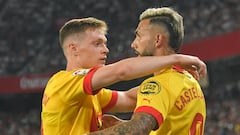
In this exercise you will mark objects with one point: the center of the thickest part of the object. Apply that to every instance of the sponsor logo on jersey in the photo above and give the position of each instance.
(150, 87)
(81, 72)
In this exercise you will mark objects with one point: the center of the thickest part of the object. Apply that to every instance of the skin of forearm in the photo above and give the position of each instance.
(140, 124)
(150, 64)
(129, 97)
(129, 69)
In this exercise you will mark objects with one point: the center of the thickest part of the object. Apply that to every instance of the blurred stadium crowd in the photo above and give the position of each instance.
(29, 45)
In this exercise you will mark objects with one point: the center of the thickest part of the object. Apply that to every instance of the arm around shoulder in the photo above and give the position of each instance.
(130, 68)
(136, 67)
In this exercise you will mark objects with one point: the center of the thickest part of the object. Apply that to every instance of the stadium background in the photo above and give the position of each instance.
(30, 53)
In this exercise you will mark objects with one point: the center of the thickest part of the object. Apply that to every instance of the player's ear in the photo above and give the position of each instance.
(159, 39)
(73, 48)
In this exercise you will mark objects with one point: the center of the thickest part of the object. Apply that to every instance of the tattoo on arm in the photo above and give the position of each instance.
(140, 124)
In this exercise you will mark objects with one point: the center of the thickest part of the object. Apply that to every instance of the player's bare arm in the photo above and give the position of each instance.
(129, 97)
(132, 68)
(140, 124)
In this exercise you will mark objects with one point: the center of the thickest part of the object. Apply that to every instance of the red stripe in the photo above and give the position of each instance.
(215, 47)
(93, 123)
(150, 110)
(112, 102)
(178, 69)
(87, 82)
(41, 130)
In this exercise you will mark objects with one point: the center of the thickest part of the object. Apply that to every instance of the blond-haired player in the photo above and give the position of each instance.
(171, 102)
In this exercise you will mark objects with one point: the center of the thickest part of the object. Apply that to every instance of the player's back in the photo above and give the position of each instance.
(180, 102)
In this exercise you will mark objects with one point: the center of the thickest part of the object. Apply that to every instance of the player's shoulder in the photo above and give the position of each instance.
(64, 73)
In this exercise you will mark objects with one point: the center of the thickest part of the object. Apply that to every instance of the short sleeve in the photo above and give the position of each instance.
(107, 99)
(152, 99)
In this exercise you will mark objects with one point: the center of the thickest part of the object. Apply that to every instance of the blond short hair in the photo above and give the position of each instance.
(80, 25)
(171, 20)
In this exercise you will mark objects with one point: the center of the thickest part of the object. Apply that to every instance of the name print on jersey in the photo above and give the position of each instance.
(186, 97)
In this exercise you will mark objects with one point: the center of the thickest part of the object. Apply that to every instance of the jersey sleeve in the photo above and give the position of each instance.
(87, 84)
(74, 85)
(153, 99)
(107, 98)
